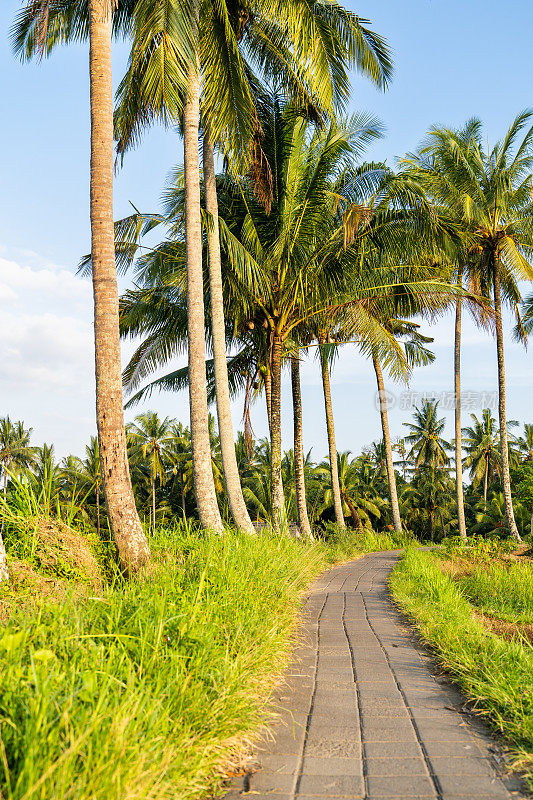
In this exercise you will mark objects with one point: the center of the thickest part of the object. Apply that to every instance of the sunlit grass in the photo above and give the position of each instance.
(497, 675)
(148, 688)
(501, 590)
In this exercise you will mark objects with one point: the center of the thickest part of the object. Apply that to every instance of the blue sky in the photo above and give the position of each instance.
(452, 60)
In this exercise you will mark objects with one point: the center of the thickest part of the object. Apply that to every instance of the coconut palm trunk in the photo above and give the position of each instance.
(299, 473)
(153, 503)
(123, 517)
(458, 433)
(396, 518)
(334, 467)
(277, 496)
(225, 425)
(98, 510)
(506, 477)
(204, 484)
(268, 398)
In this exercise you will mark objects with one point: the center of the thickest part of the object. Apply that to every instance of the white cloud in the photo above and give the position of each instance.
(44, 352)
(52, 285)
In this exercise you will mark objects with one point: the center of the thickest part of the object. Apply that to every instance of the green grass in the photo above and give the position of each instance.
(148, 688)
(496, 675)
(501, 590)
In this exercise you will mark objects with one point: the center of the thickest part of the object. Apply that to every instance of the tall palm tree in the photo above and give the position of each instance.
(417, 355)
(33, 26)
(323, 351)
(224, 34)
(151, 438)
(490, 193)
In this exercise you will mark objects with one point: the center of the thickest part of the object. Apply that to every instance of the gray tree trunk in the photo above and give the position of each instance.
(334, 469)
(458, 432)
(506, 477)
(225, 424)
(204, 484)
(4, 572)
(277, 497)
(396, 518)
(299, 473)
(123, 517)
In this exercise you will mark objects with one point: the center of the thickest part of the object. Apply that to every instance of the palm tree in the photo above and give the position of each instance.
(31, 36)
(489, 192)
(429, 492)
(357, 484)
(222, 35)
(428, 448)
(401, 449)
(417, 355)
(15, 451)
(483, 453)
(150, 438)
(91, 475)
(525, 442)
(15, 454)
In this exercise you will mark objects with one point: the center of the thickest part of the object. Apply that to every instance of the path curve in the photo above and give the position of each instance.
(362, 714)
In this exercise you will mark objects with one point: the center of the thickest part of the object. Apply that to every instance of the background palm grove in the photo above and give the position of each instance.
(278, 240)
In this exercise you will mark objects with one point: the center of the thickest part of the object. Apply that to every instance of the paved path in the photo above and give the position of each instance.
(362, 715)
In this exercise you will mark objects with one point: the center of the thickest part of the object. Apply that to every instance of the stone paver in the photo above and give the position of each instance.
(361, 715)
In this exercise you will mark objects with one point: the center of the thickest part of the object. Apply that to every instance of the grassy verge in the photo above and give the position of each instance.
(501, 590)
(148, 689)
(496, 675)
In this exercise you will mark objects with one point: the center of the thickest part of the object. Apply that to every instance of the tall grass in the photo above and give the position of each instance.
(504, 591)
(497, 675)
(145, 690)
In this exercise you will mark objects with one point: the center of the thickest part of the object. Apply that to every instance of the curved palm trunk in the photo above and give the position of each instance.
(204, 484)
(123, 517)
(396, 518)
(225, 425)
(506, 477)
(299, 473)
(354, 512)
(334, 468)
(275, 436)
(458, 433)
(485, 483)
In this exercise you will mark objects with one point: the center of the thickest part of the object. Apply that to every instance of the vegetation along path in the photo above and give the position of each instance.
(362, 715)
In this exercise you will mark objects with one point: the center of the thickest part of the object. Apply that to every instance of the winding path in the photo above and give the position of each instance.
(362, 714)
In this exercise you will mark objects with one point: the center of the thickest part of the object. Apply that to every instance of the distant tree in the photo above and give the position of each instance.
(150, 439)
(428, 448)
(15, 455)
(482, 445)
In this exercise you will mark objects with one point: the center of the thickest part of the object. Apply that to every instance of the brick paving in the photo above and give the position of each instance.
(362, 715)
